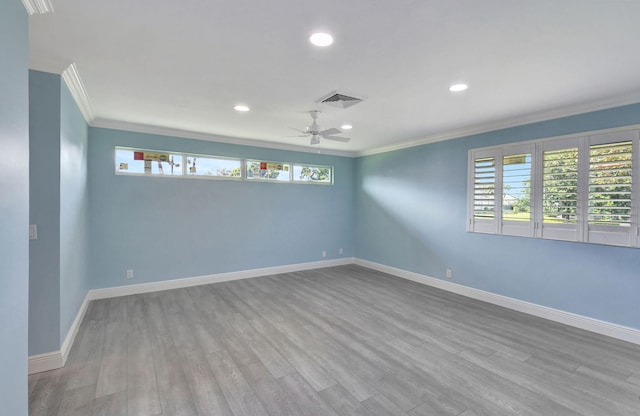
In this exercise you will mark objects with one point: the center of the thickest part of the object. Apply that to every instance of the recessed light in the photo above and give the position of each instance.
(346, 127)
(458, 87)
(321, 39)
(241, 107)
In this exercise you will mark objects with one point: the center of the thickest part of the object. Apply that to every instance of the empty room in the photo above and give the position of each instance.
(245, 208)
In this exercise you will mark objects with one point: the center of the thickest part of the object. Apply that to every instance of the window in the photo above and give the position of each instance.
(516, 191)
(143, 162)
(268, 171)
(611, 164)
(610, 179)
(559, 190)
(484, 200)
(307, 173)
(577, 188)
(208, 166)
(560, 186)
(148, 162)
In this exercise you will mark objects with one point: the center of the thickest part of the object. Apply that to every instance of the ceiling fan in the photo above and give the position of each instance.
(315, 133)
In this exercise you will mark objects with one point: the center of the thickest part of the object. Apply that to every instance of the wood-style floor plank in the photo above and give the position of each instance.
(338, 341)
(306, 396)
(240, 397)
(343, 402)
(272, 395)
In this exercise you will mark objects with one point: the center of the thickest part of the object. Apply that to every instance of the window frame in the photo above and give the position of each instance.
(187, 174)
(303, 165)
(581, 230)
(517, 228)
(480, 224)
(260, 179)
(144, 174)
(243, 168)
(558, 231)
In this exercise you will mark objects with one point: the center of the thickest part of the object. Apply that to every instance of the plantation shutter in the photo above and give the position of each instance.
(610, 186)
(483, 199)
(516, 206)
(560, 204)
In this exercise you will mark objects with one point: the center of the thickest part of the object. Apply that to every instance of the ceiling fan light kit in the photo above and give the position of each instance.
(313, 131)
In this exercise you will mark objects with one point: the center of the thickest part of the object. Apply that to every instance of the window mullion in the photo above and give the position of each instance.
(537, 172)
(582, 211)
(498, 192)
(635, 190)
(470, 190)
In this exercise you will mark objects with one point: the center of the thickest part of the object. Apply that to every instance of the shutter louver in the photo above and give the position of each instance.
(484, 202)
(560, 186)
(610, 180)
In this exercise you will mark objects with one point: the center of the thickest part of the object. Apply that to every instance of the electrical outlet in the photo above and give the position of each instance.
(324, 253)
(129, 274)
(449, 273)
(340, 251)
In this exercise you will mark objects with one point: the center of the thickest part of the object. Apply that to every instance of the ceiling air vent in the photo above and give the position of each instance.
(340, 100)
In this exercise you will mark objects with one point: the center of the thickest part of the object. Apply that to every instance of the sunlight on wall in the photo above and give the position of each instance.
(412, 205)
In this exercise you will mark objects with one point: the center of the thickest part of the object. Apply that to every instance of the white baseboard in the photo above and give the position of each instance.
(57, 359)
(213, 278)
(73, 331)
(45, 362)
(578, 321)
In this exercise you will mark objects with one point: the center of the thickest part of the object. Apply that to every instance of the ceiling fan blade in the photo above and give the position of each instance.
(337, 138)
(301, 131)
(330, 131)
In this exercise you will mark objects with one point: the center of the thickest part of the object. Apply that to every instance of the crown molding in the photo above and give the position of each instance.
(72, 78)
(632, 98)
(38, 6)
(187, 134)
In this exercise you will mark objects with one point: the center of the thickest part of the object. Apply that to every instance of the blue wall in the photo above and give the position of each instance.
(58, 259)
(74, 210)
(44, 191)
(14, 207)
(411, 207)
(168, 228)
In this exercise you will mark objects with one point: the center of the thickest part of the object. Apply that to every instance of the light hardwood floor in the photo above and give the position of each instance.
(337, 341)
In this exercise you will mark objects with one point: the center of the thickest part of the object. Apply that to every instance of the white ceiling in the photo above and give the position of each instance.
(183, 65)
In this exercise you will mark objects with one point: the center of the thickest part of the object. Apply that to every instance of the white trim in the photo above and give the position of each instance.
(38, 6)
(73, 331)
(578, 321)
(56, 359)
(632, 98)
(71, 77)
(45, 362)
(78, 90)
(213, 278)
(79, 93)
(187, 134)
(554, 140)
